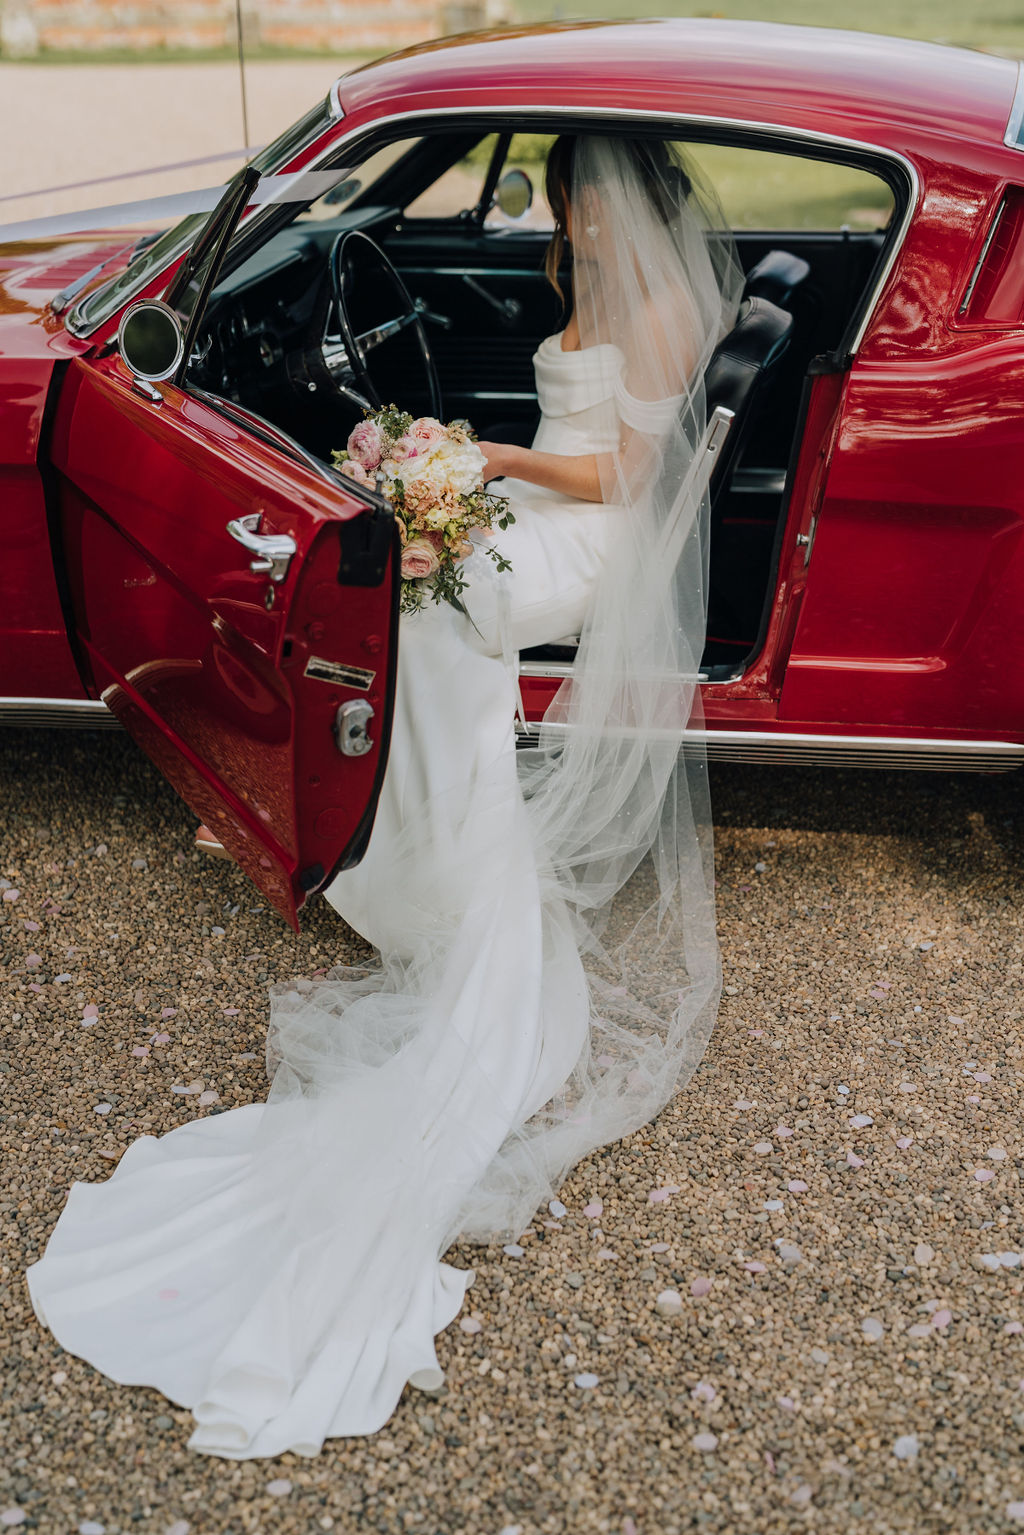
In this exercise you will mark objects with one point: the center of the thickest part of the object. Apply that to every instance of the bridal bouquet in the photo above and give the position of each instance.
(433, 476)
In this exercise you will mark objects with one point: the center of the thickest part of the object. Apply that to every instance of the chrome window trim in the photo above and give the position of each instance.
(1013, 138)
(334, 105)
(666, 119)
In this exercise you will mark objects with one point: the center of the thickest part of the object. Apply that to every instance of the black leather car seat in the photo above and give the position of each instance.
(741, 366)
(775, 277)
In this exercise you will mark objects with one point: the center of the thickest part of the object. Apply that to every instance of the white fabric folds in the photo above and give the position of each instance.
(547, 973)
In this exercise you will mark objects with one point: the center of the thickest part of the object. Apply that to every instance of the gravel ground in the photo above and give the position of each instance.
(842, 1356)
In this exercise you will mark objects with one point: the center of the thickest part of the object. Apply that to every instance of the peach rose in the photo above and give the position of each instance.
(418, 560)
(355, 471)
(425, 432)
(403, 449)
(364, 444)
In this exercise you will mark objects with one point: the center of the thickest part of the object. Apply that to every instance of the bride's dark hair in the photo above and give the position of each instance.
(658, 170)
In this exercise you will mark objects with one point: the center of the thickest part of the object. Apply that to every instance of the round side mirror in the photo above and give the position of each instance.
(514, 194)
(151, 340)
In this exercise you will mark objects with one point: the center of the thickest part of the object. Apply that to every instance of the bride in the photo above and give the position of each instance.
(547, 973)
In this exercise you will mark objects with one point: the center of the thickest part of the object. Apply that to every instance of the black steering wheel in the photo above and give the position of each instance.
(364, 284)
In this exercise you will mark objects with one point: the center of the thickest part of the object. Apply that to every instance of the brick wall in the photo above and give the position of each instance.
(29, 26)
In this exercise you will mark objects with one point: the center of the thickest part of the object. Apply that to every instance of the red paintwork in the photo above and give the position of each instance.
(907, 620)
(32, 343)
(177, 635)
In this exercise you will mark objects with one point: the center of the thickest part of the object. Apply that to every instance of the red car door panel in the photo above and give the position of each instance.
(230, 681)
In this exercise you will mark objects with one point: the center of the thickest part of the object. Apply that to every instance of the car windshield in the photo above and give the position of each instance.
(105, 300)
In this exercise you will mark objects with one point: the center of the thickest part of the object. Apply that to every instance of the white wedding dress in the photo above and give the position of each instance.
(276, 1268)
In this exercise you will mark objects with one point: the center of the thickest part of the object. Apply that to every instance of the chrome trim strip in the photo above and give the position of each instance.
(797, 749)
(979, 264)
(1013, 138)
(74, 713)
(334, 105)
(674, 119)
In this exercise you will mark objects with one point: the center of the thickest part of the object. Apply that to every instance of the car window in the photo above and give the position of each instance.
(763, 190)
(353, 183)
(457, 189)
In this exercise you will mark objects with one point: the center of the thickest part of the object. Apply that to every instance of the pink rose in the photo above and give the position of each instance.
(418, 560)
(355, 471)
(364, 444)
(404, 448)
(425, 432)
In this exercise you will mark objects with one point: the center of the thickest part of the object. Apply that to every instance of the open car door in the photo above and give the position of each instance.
(236, 604)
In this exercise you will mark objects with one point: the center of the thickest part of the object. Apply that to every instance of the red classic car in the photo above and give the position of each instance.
(180, 557)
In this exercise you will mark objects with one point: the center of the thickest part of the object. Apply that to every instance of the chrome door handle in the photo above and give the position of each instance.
(274, 551)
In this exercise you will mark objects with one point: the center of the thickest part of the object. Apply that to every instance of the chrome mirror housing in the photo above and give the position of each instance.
(151, 340)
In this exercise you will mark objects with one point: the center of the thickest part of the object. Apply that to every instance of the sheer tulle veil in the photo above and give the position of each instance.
(617, 816)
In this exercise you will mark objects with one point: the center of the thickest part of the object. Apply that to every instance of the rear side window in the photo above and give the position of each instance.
(761, 190)
(995, 291)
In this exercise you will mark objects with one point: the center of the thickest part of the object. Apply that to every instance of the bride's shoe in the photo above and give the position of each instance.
(206, 842)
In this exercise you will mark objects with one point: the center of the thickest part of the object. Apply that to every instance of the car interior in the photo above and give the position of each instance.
(461, 219)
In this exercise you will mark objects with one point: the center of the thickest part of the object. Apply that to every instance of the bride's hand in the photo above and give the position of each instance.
(499, 457)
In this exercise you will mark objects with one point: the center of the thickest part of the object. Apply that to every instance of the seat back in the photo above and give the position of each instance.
(775, 276)
(740, 367)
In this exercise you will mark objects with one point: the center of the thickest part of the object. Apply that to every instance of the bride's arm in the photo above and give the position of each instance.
(576, 475)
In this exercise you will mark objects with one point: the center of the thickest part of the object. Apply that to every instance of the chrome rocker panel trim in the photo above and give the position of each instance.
(66, 713)
(789, 748)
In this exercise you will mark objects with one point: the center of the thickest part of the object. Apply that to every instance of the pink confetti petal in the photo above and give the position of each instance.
(973, 1098)
(12, 1516)
(754, 1267)
(783, 1132)
(470, 1324)
(908, 1087)
(208, 1097)
(983, 1175)
(659, 1247)
(32, 960)
(160, 1039)
(853, 1160)
(168, 1012)
(90, 1010)
(280, 1487)
(11, 895)
(706, 1443)
(701, 1286)
(659, 1196)
(942, 1317)
(878, 993)
(904, 1141)
(1012, 1328)
(861, 1121)
(167, 1295)
(797, 1186)
(594, 1209)
(230, 1012)
(756, 1033)
(762, 1148)
(140, 1051)
(743, 1103)
(30, 927)
(982, 1077)
(703, 1391)
(606, 1252)
(34, 986)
